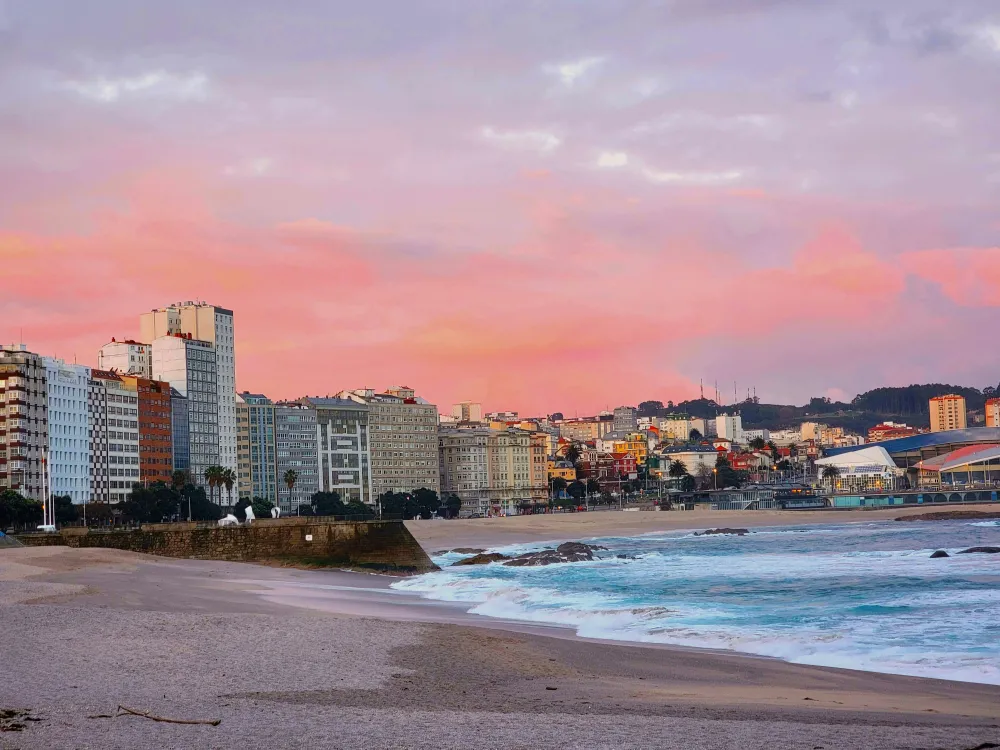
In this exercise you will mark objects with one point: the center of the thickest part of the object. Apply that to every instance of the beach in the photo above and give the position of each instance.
(437, 535)
(297, 658)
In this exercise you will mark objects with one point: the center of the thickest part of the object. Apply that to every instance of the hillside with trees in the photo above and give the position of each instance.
(900, 404)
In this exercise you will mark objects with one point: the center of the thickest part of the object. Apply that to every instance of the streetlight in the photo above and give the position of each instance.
(715, 478)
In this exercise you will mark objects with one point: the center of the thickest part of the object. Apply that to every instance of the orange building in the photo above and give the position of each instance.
(993, 412)
(947, 413)
(156, 456)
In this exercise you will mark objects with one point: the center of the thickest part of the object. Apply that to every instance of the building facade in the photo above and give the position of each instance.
(213, 324)
(67, 387)
(180, 432)
(730, 426)
(948, 413)
(116, 470)
(258, 475)
(582, 429)
(403, 438)
(189, 366)
(156, 453)
(467, 411)
(493, 472)
(626, 418)
(342, 434)
(126, 358)
(24, 432)
(993, 412)
(296, 449)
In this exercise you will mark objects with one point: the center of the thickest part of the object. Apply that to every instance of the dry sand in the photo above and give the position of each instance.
(437, 535)
(286, 664)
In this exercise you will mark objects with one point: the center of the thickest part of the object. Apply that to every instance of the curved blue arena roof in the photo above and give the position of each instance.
(928, 440)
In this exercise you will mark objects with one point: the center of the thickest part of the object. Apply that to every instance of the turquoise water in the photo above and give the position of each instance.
(861, 596)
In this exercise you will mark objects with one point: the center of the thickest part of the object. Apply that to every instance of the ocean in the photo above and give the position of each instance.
(860, 595)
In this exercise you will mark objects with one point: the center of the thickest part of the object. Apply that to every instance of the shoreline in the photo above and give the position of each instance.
(276, 658)
(437, 536)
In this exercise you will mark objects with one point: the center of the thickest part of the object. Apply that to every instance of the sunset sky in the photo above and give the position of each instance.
(537, 204)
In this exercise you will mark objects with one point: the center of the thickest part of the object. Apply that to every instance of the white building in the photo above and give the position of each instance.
(467, 411)
(730, 426)
(696, 460)
(764, 435)
(345, 464)
(189, 365)
(403, 439)
(69, 432)
(126, 358)
(213, 324)
(114, 418)
(869, 468)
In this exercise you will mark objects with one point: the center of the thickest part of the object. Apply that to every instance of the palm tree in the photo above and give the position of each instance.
(228, 478)
(211, 479)
(178, 479)
(831, 473)
(291, 477)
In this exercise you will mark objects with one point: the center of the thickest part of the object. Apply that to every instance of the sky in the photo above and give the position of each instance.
(540, 205)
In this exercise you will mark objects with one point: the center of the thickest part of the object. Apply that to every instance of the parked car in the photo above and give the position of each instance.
(47, 528)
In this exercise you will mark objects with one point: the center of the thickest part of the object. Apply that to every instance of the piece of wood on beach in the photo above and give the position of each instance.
(125, 710)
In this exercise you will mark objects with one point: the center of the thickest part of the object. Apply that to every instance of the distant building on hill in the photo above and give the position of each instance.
(948, 413)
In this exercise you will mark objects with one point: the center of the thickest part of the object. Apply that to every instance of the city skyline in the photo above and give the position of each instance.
(566, 211)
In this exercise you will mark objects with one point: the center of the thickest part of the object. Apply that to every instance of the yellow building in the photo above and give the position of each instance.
(948, 413)
(635, 443)
(563, 469)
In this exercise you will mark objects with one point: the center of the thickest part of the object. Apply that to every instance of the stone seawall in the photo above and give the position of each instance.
(378, 545)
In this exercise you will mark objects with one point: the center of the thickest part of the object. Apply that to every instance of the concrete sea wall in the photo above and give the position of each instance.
(378, 545)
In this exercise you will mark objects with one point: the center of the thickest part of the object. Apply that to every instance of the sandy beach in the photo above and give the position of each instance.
(437, 535)
(291, 658)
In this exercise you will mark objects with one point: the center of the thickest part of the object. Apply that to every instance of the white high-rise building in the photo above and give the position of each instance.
(114, 416)
(730, 426)
(126, 358)
(215, 325)
(69, 431)
(189, 366)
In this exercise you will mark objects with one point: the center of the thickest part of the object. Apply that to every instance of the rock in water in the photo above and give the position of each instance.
(940, 553)
(984, 550)
(482, 559)
(468, 550)
(565, 552)
(712, 532)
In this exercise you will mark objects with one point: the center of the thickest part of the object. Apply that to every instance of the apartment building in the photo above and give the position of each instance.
(582, 429)
(403, 438)
(126, 357)
(296, 449)
(180, 431)
(156, 454)
(24, 432)
(344, 453)
(114, 415)
(67, 389)
(189, 366)
(257, 474)
(203, 322)
(493, 471)
(625, 419)
(993, 412)
(948, 413)
(467, 411)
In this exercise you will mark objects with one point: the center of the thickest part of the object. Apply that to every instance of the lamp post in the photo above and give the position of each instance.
(715, 478)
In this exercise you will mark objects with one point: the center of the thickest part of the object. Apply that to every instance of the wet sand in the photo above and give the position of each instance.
(438, 535)
(289, 658)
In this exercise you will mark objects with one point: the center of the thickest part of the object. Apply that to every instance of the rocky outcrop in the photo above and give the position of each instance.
(460, 551)
(730, 532)
(951, 515)
(983, 550)
(565, 552)
(940, 553)
(482, 559)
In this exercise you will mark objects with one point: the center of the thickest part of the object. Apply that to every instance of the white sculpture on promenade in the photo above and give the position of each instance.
(250, 515)
(275, 512)
(229, 520)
